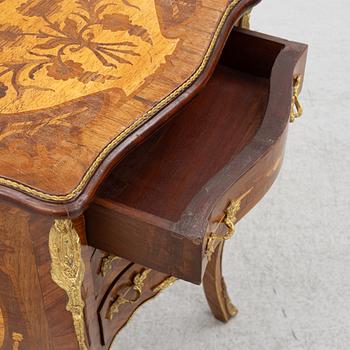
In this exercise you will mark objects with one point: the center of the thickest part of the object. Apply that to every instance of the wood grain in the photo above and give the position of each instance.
(213, 151)
(21, 300)
(207, 133)
(72, 97)
(215, 288)
(59, 51)
(228, 141)
(33, 313)
(110, 327)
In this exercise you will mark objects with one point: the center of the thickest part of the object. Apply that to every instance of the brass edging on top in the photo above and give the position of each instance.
(140, 121)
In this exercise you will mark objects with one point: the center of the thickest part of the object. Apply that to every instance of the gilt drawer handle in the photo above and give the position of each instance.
(136, 286)
(106, 264)
(296, 108)
(229, 219)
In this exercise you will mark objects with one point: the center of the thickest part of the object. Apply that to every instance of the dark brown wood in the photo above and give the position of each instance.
(227, 142)
(151, 246)
(215, 288)
(222, 139)
(32, 304)
(33, 308)
(180, 159)
(123, 286)
(100, 291)
(105, 271)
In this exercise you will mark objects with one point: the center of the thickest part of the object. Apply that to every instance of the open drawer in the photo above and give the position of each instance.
(170, 201)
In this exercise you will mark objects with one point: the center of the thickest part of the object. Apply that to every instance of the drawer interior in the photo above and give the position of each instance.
(159, 204)
(162, 175)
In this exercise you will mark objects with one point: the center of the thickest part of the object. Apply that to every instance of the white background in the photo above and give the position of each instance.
(288, 267)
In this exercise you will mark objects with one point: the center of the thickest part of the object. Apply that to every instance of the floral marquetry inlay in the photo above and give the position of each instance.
(54, 51)
(79, 77)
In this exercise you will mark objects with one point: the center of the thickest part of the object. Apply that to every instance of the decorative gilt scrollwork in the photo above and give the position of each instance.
(67, 271)
(229, 219)
(136, 286)
(17, 339)
(106, 264)
(165, 284)
(296, 110)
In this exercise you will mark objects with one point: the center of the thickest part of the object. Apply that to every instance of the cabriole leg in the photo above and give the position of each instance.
(215, 288)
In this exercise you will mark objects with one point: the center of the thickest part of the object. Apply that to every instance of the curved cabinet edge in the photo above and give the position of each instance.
(75, 207)
(250, 174)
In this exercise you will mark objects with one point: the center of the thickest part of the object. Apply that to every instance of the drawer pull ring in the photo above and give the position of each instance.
(296, 108)
(106, 264)
(136, 286)
(229, 219)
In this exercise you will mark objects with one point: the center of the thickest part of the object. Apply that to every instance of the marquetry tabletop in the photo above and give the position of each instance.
(77, 78)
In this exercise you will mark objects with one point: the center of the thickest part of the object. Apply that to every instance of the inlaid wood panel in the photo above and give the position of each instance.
(22, 318)
(34, 309)
(78, 77)
(57, 51)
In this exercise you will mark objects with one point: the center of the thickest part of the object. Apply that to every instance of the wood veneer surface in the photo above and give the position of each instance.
(78, 77)
(163, 175)
(174, 188)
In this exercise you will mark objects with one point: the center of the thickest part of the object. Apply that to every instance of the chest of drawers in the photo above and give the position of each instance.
(134, 136)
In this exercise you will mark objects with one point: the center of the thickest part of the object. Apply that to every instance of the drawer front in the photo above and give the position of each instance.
(241, 197)
(134, 286)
